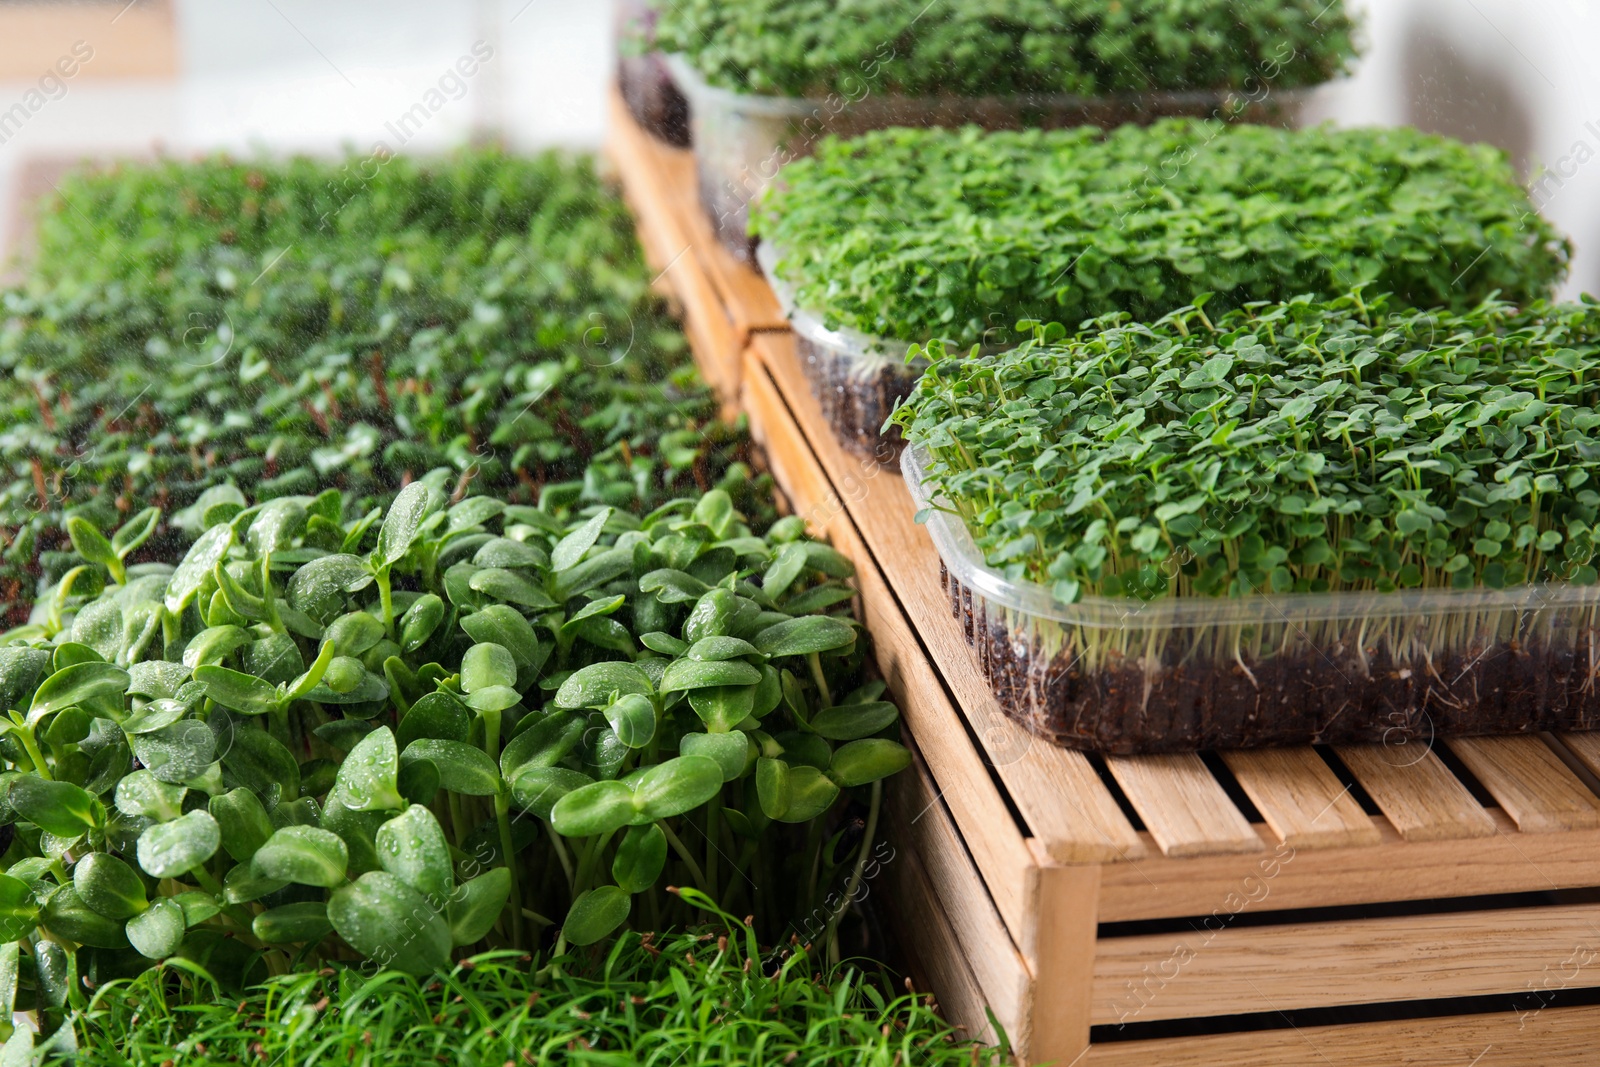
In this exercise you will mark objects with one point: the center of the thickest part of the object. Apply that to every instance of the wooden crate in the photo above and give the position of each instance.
(723, 303)
(1339, 907)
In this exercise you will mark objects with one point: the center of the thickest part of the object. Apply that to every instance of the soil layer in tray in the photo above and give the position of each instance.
(857, 400)
(653, 98)
(1327, 693)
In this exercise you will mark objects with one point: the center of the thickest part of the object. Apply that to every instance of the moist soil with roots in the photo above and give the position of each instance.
(1328, 695)
(856, 403)
(653, 98)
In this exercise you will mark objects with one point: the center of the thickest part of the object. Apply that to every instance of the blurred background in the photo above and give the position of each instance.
(187, 76)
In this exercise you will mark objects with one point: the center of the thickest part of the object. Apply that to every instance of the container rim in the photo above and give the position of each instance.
(809, 325)
(844, 339)
(966, 563)
(695, 86)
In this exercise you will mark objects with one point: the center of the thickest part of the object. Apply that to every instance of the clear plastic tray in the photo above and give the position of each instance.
(647, 88)
(858, 378)
(742, 139)
(1189, 673)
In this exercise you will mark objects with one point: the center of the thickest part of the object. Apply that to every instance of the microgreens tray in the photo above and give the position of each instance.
(1123, 675)
(915, 234)
(1292, 522)
(742, 139)
(811, 48)
(646, 85)
(857, 378)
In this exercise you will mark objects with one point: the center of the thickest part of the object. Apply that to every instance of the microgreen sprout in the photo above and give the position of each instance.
(970, 48)
(1390, 511)
(433, 727)
(914, 234)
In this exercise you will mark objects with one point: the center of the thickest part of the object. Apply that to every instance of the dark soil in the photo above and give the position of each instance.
(856, 404)
(1314, 695)
(653, 98)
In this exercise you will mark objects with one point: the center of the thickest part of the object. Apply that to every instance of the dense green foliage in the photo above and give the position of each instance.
(423, 730)
(1298, 446)
(140, 224)
(979, 47)
(708, 998)
(291, 326)
(913, 234)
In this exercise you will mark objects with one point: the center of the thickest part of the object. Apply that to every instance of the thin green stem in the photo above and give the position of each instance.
(856, 874)
(713, 826)
(491, 733)
(385, 600)
(458, 821)
(815, 660)
(684, 854)
(593, 852)
(31, 747)
(560, 849)
(502, 818)
(813, 850)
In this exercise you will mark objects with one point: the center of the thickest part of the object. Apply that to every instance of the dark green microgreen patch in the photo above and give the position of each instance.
(707, 997)
(957, 234)
(971, 48)
(1300, 446)
(435, 727)
(285, 327)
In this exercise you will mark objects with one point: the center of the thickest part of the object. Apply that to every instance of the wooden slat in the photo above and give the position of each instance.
(660, 233)
(919, 825)
(1069, 809)
(750, 302)
(630, 151)
(724, 300)
(1061, 946)
(1183, 806)
(1301, 798)
(1159, 887)
(1244, 970)
(1531, 783)
(1498, 1039)
(979, 810)
(1058, 793)
(1586, 747)
(1419, 795)
(666, 230)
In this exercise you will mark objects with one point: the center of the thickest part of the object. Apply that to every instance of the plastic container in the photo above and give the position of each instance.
(652, 97)
(1183, 674)
(741, 139)
(858, 378)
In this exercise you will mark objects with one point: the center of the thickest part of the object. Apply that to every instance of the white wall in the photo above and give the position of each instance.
(1521, 74)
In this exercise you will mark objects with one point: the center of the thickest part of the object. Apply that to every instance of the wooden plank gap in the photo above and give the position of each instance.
(1416, 792)
(1181, 803)
(1301, 798)
(1332, 964)
(1530, 782)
